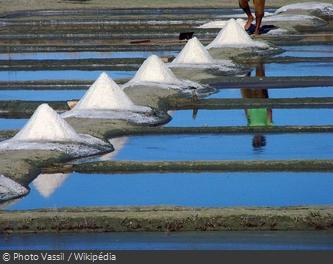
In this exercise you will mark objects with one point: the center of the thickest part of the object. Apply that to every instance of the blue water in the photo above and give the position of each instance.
(308, 51)
(185, 118)
(223, 147)
(187, 189)
(318, 240)
(58, 95)
(42, 95)
(60, 75)
(83, 55)
(299, 69)
(11, 123)
(280, 93)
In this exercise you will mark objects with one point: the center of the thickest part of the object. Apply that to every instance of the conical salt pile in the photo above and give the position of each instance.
(105, 94)
(153, 70)
(193, 53)
(46, 130)
(233, 35)
(46, 184)
(46, 125)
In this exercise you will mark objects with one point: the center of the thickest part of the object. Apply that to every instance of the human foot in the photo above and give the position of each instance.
(257, 32)
(248, 22)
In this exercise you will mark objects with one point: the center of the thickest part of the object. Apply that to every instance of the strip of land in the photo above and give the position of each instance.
(21, 109)
(166, 219)
(142, 131)
(122, 64)
(193, 166)
(218, 83)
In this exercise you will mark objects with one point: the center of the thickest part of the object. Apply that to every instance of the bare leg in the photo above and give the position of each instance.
(244, 4)
(259, 6)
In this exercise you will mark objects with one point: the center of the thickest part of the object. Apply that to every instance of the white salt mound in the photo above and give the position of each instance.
(233, 35)
(46, 130)
(324, 8)
(154, 72)
(10, 189)
(106, 100)
(46, 125)
(47, 184)
(194, 53)
(105, 94)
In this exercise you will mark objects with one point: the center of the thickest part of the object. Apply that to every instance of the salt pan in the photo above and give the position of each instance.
(233, 35)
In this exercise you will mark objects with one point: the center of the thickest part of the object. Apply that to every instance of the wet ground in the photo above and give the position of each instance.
(186, 189)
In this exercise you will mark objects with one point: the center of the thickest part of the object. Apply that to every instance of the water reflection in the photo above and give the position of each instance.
(192, 189)
(258, 116)
(225, 147)
(117, 143)
(7, 204)
(47, 184)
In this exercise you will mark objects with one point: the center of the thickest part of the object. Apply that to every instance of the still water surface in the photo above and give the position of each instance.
(181, 189)
(290, 240)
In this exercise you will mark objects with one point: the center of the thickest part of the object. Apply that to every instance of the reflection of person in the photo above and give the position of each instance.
(258, 116)
(259, 6)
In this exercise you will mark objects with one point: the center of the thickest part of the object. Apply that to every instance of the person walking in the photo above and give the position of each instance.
(259, 7)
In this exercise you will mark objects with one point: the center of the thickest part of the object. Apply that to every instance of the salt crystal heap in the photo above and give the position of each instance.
(106, 94)
(233, 35)
(194, 55)
(46, 125)
(153, 72)
(106, 100)
(46, 130)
